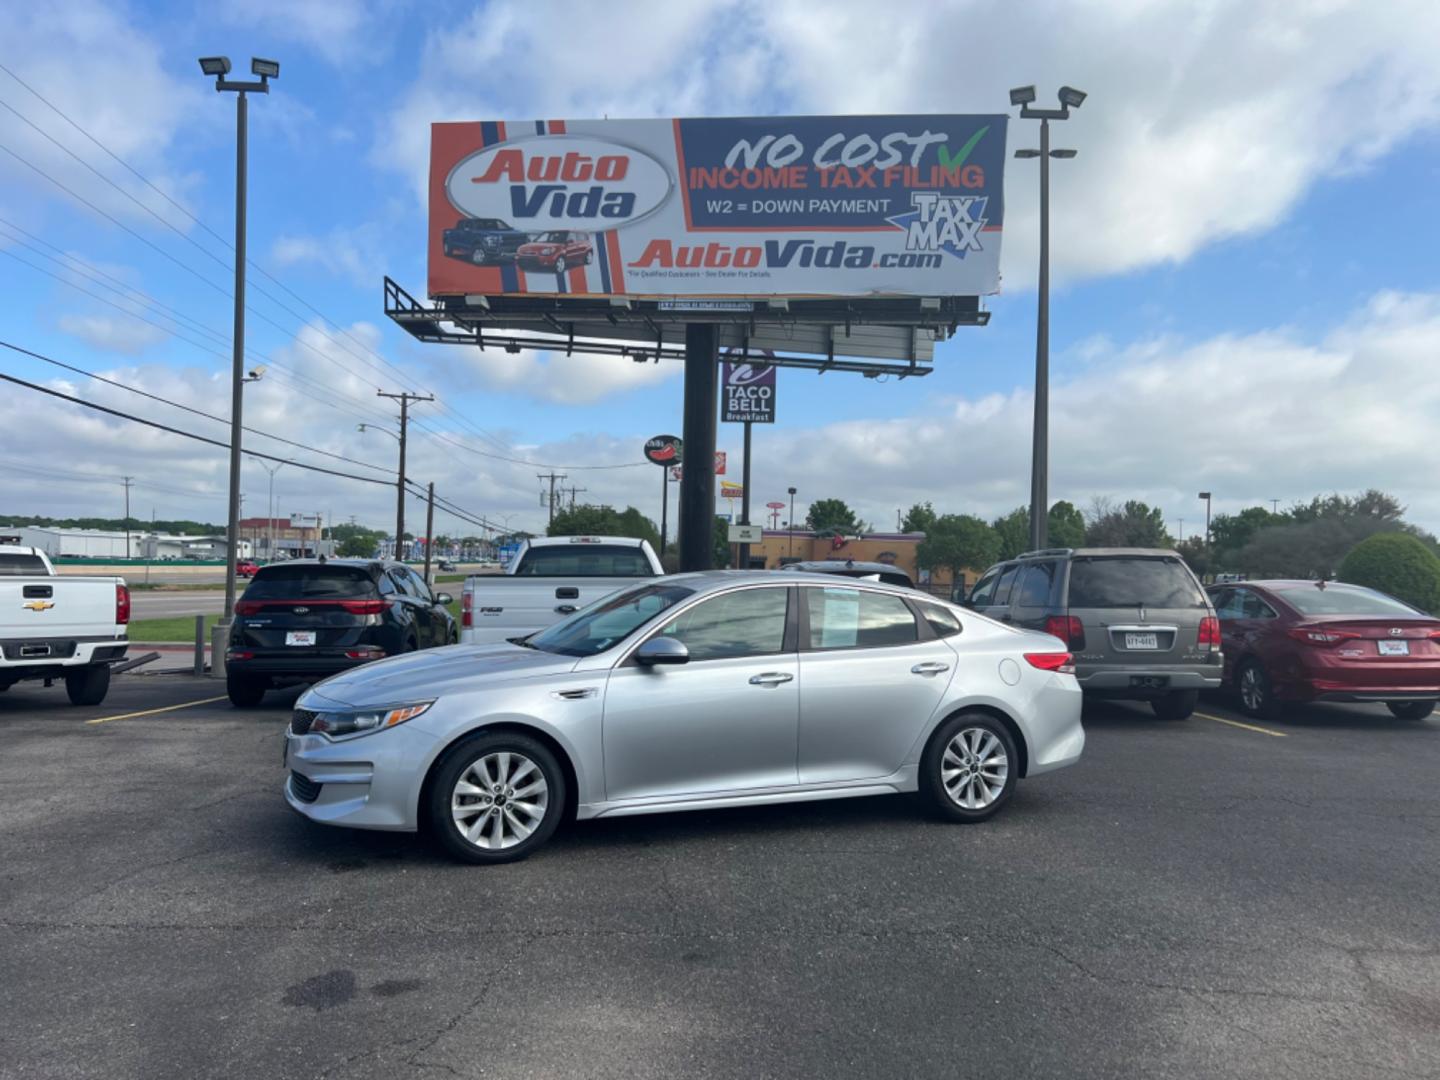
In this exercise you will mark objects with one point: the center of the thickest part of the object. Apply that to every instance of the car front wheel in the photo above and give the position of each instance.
(1411, 710)
(477, 257)
(1257, 697)
(560, 264)
(496, 798)
(969, 768)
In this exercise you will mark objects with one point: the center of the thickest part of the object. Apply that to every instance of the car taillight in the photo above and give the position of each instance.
(122, 604)
(1209, 633)
(1068, 628)
(238, 654)
(365, 652)
(1311, 636)
(1052, 661)
(467, 603)
(247, 607)
(364, 607)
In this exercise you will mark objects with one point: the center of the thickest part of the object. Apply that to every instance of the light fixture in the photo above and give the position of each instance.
(1027, 153)
(1069, 97)
(270, 69)
(1022, 95)
(219, 66)
(1063, 153)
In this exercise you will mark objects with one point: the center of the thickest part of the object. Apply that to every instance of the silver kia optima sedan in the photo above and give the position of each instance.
(689, 692)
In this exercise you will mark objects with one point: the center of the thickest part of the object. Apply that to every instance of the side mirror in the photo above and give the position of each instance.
(662, 650)
(443, 598)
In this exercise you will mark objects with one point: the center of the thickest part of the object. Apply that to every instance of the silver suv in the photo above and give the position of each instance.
(1136, 619)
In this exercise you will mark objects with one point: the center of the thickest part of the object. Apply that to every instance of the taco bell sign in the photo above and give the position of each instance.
(749, 392)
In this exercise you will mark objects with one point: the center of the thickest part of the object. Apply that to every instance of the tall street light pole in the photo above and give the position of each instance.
(219, 67)
(1070, 98)
(791, 524)
(1206, 496)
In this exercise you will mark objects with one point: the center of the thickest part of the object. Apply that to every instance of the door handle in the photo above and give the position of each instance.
(930, 667)
(770, 678)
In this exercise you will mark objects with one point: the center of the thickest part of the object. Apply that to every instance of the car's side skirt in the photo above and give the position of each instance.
(890, 785)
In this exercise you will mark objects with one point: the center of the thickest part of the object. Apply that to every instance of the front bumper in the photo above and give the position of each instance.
(372, 782)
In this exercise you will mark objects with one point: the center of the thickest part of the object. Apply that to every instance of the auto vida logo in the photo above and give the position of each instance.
(559, 181)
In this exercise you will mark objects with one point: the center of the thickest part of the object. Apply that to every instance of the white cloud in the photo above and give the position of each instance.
(1250, 417)
(350, 253)
(107, 75)
(565, 380)
(114, 334)
(1203, 121)
(339, 30)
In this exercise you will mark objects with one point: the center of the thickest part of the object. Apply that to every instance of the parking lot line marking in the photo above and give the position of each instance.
(1247, 727)
(152, 712)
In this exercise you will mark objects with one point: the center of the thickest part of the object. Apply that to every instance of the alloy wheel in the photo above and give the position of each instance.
(499, 800)
(974, 768)
(560, 265)
(1252, 693)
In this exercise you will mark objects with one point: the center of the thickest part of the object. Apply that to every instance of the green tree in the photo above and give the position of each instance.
(1192, 550)
(1132, 525)
(604, 521)
(832, 515)
(1013, 532)
(958, 542)
(1066, 526)
(722, 543)
(1395, 563)
(919, 518)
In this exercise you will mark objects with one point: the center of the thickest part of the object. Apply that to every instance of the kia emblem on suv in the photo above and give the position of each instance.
(301, 610)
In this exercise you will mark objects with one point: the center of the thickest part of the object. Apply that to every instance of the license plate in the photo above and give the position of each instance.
(1141, 641)
(1394, 648)
(300, 637)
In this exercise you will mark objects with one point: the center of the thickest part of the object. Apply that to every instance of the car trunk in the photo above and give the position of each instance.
(312, 607)
(1368, 642)
(1136, 609)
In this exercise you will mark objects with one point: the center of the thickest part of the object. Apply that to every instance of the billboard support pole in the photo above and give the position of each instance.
(664, 508)
(697, 483)
(745, 497)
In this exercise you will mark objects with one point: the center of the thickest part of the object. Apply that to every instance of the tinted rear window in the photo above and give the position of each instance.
(310, 583)
(16, 565)
(1342, 600)
(584, 560)
(1131, 581)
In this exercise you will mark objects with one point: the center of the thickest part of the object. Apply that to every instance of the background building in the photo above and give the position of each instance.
(285, 538)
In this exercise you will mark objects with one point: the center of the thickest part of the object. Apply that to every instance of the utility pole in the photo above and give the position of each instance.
(429, 527)
(405, 399)
(1275, 506)
(552, 477)
(573, 492)
(127, 481)
(270, 505)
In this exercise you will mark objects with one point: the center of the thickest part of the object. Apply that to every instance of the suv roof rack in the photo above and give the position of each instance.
(1045, 553)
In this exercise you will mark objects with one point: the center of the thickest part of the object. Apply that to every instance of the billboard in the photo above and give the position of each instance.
(844, 206)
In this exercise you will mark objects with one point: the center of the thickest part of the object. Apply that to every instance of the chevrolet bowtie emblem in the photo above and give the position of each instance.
(38, 605)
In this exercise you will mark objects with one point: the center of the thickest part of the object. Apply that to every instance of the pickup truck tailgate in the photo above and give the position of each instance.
(503, 607)
(49, 608)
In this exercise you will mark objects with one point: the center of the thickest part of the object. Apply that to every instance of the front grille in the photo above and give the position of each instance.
(300, 722)
(304, 789)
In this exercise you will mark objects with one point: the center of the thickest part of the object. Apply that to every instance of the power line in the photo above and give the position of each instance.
(187, 408)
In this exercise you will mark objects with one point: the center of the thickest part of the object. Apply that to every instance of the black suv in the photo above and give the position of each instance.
(305, 620)
(483, 240)
(1136, 619)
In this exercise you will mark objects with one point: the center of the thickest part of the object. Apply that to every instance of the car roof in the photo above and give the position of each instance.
(364, 564)
(834, 566)
(1057, 553)
(717, 580)
(559, 541)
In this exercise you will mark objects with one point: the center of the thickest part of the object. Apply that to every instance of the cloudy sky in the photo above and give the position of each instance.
(1246, 297)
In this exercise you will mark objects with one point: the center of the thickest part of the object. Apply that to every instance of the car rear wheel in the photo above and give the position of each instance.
(1411, 710)
(968, 770)
(245, 691)
(1176, 705)
(589, 257)
(496, 798)
(89, 685)
(560, 264)
(1257, 697)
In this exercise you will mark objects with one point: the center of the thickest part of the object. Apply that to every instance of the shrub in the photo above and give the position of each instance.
(1398, 564)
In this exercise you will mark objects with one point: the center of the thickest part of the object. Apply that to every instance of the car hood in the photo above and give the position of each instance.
(426, 674)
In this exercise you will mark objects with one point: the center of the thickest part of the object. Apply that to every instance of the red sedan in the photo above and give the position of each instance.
(246, 568)
(1290, 641)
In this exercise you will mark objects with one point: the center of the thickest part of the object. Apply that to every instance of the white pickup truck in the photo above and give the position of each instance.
(549, 578)
(54, 627)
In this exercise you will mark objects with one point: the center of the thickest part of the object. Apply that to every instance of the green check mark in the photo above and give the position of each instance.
(947, 162)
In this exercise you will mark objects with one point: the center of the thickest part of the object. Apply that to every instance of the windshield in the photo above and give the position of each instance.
(551, 238)
(479, 224)
(310, 582)
(1133, 581)
(609, 620)
(1341, 600)
(16, 563)
(584, 560)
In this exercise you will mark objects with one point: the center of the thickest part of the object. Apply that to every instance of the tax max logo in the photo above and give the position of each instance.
(950, 223)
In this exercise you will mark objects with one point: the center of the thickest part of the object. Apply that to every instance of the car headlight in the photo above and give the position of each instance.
(340, 723)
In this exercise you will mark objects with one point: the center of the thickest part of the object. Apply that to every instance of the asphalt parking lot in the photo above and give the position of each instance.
(1194, 899)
